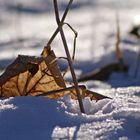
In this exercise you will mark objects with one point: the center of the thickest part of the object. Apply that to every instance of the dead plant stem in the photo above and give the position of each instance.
(68, 55)
(61, 23)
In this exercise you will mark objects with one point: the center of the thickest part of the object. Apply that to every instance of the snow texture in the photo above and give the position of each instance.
(26, 26)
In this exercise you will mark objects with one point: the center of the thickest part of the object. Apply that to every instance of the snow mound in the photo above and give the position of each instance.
(40, 118)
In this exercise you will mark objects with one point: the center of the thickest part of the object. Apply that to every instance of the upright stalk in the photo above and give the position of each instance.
(137, 65)
(61, 23)
(118, 40)
(68, 56)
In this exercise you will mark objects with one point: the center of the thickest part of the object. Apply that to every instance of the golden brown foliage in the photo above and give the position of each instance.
(38, 76)
(30, 75)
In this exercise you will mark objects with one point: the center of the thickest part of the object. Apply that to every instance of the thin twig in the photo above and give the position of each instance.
(118, 40)
(61, 23)
(68, 56)
(137, 65)
(74, 46)
(60, 90)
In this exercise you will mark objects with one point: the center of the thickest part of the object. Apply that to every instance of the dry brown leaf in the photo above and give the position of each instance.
(38, 76)
(29, 75)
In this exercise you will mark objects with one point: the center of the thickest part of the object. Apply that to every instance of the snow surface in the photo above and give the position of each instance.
(26, 31)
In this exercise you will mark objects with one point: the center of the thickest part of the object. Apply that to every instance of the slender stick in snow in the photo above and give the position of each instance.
(68, 56)
(118, 40)
(61, 23)
(137, 65)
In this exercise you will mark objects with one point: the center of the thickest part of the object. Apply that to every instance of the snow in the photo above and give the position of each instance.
(39, 118)
(34, 118)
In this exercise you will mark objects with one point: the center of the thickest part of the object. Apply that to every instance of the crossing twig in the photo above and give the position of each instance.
(68, 55)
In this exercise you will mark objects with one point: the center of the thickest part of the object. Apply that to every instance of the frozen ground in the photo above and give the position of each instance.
(27, 31)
